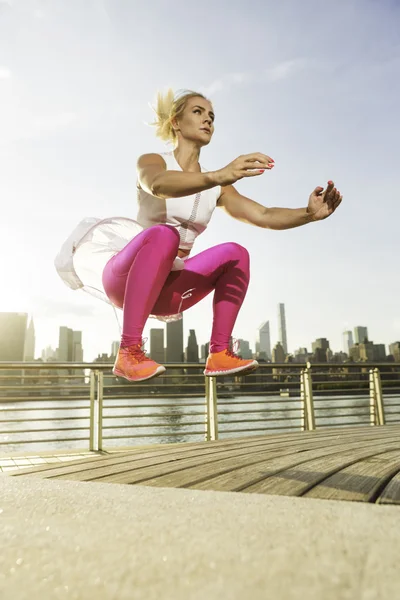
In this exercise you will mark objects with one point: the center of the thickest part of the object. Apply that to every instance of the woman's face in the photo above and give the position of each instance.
(197, 121)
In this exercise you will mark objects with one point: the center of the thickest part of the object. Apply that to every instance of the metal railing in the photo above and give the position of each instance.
(49, 406)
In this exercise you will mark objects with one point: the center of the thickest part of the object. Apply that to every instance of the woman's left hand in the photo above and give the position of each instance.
(322, 204)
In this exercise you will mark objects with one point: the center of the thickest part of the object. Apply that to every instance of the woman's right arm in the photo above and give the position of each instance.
(156, 180)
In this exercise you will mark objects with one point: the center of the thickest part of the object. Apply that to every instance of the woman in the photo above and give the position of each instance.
(154, 274)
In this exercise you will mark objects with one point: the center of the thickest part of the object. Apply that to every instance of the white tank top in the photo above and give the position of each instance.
(189, 214)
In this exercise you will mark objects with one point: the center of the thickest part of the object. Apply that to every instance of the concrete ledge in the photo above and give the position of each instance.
(62, 539)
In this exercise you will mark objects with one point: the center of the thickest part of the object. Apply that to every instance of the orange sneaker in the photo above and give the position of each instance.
(226, 363)
(133, 364)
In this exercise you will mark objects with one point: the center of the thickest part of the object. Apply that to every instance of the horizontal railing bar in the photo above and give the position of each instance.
(46, 388)
(44, 399)
(12, 432)
(104, 366)
(257, 429)
(38, 419)
(151, 415)
(147, 435)
(154, 426)
(269, 420)
(349, 407)
(41, 441)
(30, 409)
(342, 424)
(105, 407)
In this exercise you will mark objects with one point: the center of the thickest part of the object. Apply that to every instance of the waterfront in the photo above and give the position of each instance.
(34, 426)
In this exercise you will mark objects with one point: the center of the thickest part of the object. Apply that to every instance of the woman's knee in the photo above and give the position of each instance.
(164, 235)
(235, 251)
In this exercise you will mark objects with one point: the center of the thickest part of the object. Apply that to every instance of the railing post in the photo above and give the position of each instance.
(379, 397)
(100, 392)
(377, 411)
(303, 400)
(96, 410)
(92, 441)
(372, 399)
(308, 399)
(211, 409)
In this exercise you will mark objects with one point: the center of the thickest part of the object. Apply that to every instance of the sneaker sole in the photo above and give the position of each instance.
(250, 367)
(159, 370)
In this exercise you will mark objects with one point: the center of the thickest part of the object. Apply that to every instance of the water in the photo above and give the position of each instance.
(64, 425)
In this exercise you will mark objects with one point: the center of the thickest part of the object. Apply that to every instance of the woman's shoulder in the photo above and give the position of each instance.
(150, 159)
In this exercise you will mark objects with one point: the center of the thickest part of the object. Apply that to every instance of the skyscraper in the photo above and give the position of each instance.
(347, 341)
(320, 344)
(192, 350)
(157, 351)
(244, 349)
(282, 326)
(70, 345)
(264, 341)
(174, 350)
(12, 336)
(360, 334)
(114, 348)
(278, 353)
(29, 350)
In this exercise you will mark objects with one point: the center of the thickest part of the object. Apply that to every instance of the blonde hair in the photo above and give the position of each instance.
(169, 107)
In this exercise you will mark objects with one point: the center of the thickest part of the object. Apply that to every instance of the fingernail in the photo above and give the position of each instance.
(261, 170)
(330, 182)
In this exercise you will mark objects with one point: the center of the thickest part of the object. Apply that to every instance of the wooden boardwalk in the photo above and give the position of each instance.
(360, 464)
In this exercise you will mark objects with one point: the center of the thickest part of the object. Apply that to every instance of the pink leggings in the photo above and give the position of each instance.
(139, 280)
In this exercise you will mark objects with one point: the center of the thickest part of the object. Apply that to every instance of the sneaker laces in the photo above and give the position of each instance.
(137, 351)
(232, 352)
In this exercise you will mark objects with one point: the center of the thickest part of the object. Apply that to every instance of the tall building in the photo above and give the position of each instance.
(29, 350)
(263, 345)
(77, 350)
(394, 350)
(367, 351)
(278, 353)
(379, 352)
(347, 341)
(320, 344)
(174, 350)
(192, 350)
(204, 351)
(49, 354)
(12, 336)
(69, 345)
(244, 349)
(360, 334)
(114, 348)
(157, 351)
(282, 327)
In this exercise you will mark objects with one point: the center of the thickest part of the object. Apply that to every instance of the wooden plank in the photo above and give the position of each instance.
(152, 472)
(297, 481)
(226, 476)
(184, 450)
(360, 481)
(239, 479)
(54, 469)
(391, 493)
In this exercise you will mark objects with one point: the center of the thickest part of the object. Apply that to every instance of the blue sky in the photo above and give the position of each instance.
(315, 85)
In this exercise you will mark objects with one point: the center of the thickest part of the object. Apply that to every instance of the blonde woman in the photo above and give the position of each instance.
(154, 273)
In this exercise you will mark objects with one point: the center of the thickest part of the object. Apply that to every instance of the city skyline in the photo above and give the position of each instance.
(71, 344)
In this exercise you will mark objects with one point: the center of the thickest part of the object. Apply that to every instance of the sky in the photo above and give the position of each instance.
(314, 85)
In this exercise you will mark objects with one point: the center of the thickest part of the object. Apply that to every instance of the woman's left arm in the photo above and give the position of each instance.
(321, 204)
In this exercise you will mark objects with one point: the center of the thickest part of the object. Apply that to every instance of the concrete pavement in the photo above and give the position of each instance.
(95, 541)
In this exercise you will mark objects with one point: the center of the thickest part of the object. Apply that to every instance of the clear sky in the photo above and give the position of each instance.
(315, 85)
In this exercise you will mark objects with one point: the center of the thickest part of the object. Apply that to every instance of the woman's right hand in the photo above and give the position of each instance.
(247, 165)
